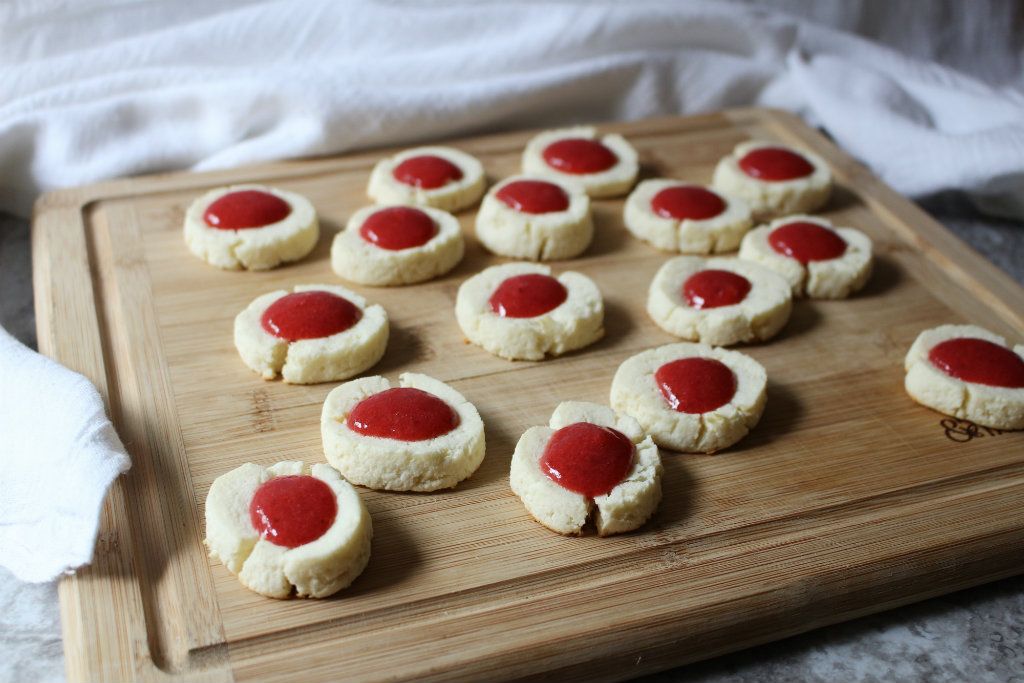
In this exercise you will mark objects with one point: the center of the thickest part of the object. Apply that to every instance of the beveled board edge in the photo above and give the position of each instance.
(102, 608)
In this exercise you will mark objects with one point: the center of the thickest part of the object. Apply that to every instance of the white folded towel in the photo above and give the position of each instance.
(59, 454)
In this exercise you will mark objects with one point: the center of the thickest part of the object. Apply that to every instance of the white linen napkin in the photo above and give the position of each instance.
(922, 127)
(60, 453)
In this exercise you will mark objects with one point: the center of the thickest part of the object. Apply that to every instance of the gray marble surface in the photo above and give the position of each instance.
(975, 635)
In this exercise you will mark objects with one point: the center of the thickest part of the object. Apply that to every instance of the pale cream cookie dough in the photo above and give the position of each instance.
(969, 373)
(817, 259)
(422, 435)
(441, 177)
(604, 166)
(395, 244)
(718, 301)
(530, 217)
(589, 459)
(691, 397)
(675, 216)
(519, 311)
(252, 244)
(313, 549)
(774, 179)
(317, 333)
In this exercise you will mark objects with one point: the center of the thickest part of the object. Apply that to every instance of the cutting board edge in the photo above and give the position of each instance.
(61, 339)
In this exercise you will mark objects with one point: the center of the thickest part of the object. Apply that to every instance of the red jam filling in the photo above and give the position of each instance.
(587, 458)
(428, 172)
(579, 156)
(310, 315)
(404, 414)
(398, 227)
(527, 296)
(246, 209)
(294, 510)
(713, 288)
(979, 361)
(696, 385)
(687, 202)
(775, 164)
(533, 196)
(807, 242)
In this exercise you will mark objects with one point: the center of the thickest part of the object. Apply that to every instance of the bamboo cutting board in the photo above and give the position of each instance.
(847, 498)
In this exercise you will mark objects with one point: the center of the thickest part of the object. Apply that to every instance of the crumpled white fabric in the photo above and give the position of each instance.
(92, 89)
(60, 453)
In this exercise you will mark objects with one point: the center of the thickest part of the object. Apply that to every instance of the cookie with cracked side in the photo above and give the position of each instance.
(818, 260)
(316, 333)
(288, 529)
(588, 461)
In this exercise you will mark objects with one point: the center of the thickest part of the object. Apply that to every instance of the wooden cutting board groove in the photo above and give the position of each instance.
(847, 498)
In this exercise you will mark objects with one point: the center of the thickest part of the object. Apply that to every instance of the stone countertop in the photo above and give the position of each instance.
(974, 635)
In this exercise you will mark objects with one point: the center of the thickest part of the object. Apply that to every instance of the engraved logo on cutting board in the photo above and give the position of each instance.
(963, 431)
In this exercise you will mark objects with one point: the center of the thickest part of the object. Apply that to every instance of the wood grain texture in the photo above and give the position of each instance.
(848, 498)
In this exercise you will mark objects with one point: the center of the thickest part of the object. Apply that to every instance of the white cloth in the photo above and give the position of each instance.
(93, 89)
(59, 454)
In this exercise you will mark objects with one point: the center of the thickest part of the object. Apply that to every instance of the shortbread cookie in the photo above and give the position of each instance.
(317, 333)
(588, 458)
(440, 177)
(691, 397)
(419, 436)
(815, 258)
(397, 245)
(288, 528)
(774, 179)
(532, 218)
(718, 301)
(676, 216)
(519, 311)
(250, 226)
(969, 373)
(604, 166)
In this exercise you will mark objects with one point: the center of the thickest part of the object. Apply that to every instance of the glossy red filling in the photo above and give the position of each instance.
(293, 510)
(527, 296)
(428, 172)
(774, 164)
(398, 227)
(807, 242)
(979, 361)
(403, 413)
(533, 196)
(587, 458)
(713, 288)
(246, 209)
(687, 202)
(579, 156)
(310, 315)
(696, 385)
